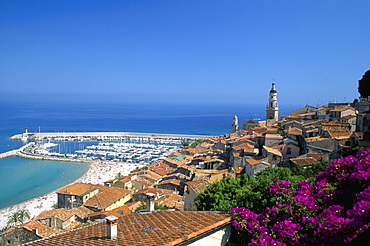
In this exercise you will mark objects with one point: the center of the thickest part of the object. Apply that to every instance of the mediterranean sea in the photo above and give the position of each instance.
(24, 179)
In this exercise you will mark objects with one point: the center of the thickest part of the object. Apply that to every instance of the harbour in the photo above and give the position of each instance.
(114, 146)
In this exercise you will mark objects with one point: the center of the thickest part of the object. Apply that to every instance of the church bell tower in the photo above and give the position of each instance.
(272, 109)
(235, 125)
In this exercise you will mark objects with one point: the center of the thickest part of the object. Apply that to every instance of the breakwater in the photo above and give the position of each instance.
(8, 153)
(22, 152)
(14, 152)
(86, 136)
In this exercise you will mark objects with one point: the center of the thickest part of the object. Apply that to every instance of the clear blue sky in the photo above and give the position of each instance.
(194, 50)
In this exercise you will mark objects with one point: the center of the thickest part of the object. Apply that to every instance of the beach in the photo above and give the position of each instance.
(98, 172)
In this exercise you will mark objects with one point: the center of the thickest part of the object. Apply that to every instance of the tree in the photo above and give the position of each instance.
(19, 217)
(223, 194)
(243, 192)
(364, 85)
(311, 171)
(185, 143)
(157, 206)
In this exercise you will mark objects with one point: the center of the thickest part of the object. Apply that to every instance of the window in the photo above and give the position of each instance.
(289, 151)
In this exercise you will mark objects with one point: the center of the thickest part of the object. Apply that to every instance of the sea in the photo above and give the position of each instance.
(23, 179)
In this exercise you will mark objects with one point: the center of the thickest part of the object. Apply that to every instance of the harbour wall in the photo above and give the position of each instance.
(108, 135)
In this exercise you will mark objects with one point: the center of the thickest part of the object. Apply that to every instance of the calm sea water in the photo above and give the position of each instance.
(23, 179)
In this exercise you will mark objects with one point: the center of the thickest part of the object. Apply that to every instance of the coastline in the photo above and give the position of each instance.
(97, 173)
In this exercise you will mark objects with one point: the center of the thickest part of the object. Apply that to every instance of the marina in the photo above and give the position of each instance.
(133, 147)
(136, 152)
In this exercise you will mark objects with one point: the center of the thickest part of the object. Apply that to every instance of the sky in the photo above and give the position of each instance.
(184, 51)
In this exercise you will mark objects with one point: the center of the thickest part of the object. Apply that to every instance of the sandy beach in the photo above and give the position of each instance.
(98, 172)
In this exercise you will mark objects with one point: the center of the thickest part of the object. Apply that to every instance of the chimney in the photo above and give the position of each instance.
(150, 201)
(112, 227)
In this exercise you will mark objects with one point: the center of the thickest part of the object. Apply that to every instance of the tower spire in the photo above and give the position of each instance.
(272, 109)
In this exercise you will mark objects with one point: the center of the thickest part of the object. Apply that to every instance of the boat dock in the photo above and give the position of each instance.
(105, 136)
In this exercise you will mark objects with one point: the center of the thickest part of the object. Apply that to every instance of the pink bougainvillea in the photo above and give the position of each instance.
(335, 210)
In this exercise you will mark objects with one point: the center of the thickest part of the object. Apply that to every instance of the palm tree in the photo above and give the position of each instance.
(12, 219)
(19, 217)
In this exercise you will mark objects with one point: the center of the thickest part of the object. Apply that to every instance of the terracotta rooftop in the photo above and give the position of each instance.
(305, 161)
(314, 139)
(118, 212)
(258, 129)
(133, 205)
(150, 175)
(243, 146)
(334, 123)
(253, 161)
(238, 170)
(157, 191)
(78, 189)
(343, 108)
(316, 156)
(313, 123)
(172, 181)
(198, 186)
(294, 131)
(274, 151)
(160, 168)
(273, 136)
(190, 168)
(64, 214)
(42, 230)
(206, 171)
(340, 134)
(250, 150)
(307, 114)
(176, 161)
(156, 228)
(106, 198)
(176, 176)
(214, 160)
(196, 150)
(171, 201)
(143, 183)
(347, 117)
